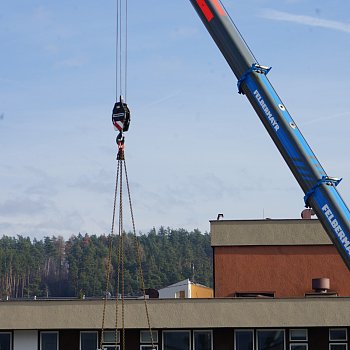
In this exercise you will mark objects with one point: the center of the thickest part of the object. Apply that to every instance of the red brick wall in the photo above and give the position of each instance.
(287, 270)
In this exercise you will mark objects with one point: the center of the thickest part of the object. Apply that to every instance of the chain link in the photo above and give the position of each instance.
(120, 287)
(138, 250)
(109, 260)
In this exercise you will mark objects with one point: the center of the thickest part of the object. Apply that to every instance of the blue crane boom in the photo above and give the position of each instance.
(320, 190)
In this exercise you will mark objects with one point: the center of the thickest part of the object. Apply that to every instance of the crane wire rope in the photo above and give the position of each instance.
(121, 63)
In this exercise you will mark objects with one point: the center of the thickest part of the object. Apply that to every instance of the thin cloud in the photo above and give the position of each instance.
(305, 20)
(334, 116)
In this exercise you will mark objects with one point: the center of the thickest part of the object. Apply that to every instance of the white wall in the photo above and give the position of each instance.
(25, 340)
(169, 292)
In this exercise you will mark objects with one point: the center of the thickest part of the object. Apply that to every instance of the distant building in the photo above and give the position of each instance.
(276, 257)
(186, 289)
(264, 300)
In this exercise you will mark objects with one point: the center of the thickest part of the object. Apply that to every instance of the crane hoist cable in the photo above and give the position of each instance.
(121, 112)
(121, 121)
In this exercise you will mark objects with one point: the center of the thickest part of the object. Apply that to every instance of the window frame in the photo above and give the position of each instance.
(84, 332)
(202, 331)
(144, 346)
(243, 330)
(107, 346)
(109, 342)
(299, 344)
(298, 340)
(178, 331)
(154, 338)
(49, 332)
(11, 338)
(338, 329)
(269, 330)
(339, 343)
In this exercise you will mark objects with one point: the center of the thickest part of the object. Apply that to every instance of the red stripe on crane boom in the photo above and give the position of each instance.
(205, 9)
(219, 7)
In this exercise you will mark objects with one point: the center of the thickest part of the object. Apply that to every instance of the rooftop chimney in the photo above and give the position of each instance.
(307, 213)
(321, 285)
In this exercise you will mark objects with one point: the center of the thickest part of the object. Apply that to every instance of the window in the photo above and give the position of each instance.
(88, 341)
(110, 337)
(202, 340)
(176, 340)
(145, 337)
(5, 341)
(338, 346)
(110, 347)
(298, 334)
(49, 341)
(298, 347)
(272, 339)
(180, 294)
(336, 334)
(109, 340)
(244, 339)
(148, 347)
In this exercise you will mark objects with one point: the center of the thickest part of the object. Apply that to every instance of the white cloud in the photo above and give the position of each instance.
(305, 20)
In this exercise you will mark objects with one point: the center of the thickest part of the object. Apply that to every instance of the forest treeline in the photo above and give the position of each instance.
(54, 267)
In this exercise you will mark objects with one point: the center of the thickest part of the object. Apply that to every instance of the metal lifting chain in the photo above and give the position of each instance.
(121, 259)
(120, 283)
(109, 261)
(138, 251)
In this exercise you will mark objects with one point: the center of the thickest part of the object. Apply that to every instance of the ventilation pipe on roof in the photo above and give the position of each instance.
(220, 216)
(307, 213)
(321, 285)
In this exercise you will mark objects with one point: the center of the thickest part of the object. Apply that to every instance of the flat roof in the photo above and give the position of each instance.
(177, 313)
(267, 232)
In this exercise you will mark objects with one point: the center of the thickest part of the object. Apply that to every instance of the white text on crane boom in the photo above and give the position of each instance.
(266, 110)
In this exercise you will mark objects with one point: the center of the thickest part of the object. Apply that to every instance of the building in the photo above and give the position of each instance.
(280, 257)
(186, 289)
(263, 301)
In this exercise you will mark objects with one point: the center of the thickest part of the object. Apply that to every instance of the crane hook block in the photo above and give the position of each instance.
(121, 116)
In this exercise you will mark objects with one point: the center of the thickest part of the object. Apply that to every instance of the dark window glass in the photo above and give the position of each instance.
(202, 340)
(110, 347)
(147, 336)
(149, 347)
(111, 336)
(337, 334)
(5, 341)
(176, 340)
(88, 341)
(49, 341)
(298, 346)
(338, 347)
(298, 334)
(271, 340)
(244, 340)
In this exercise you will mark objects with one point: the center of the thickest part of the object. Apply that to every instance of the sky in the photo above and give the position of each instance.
(195, 147)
